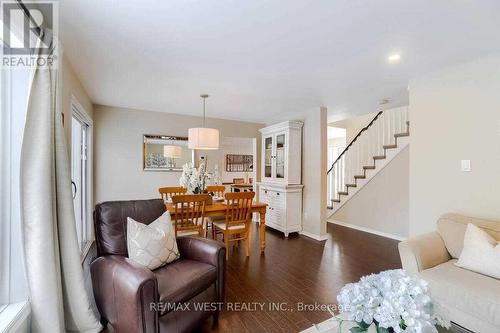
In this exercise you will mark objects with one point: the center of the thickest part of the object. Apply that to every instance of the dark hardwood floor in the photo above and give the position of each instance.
(295, 270)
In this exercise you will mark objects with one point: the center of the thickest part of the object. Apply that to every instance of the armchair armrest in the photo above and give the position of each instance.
(124, 292)
(207, 251)
(423, 252)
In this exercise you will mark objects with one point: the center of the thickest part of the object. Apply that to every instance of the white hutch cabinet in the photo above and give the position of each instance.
(281, 174)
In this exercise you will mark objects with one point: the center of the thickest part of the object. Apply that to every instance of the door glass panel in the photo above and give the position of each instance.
(268, 156)
(280, 156)
(79, 174)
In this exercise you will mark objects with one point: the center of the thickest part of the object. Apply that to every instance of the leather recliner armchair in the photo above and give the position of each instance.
(131, 297)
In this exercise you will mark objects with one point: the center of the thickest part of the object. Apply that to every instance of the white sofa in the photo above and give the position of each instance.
(471, 300)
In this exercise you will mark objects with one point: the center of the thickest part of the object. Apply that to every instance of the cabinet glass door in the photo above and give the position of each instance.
(280, 155)
(268, 159)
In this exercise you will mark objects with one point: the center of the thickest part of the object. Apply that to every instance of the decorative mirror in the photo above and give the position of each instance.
(165, 153)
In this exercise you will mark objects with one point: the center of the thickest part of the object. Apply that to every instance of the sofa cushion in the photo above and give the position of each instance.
(182, 280)
(152, 245)
(452, 227)
(469, 292)
(481, 252)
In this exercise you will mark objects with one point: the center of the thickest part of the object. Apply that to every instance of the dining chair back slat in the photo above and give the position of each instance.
(238, 208)
(217, 190)
(167, 193)
(189, 213)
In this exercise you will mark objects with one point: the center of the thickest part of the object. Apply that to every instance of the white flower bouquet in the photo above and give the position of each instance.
(194, 179)
(393, 301)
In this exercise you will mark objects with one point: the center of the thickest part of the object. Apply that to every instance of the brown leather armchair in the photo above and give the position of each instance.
(132, 298)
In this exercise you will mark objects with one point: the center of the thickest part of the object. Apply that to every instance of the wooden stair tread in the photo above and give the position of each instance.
(369, 167)
(336, 200)
(343, 193)
(351, 185)
(400, 135)
(390, 146)
(359, 177)
(380, 157)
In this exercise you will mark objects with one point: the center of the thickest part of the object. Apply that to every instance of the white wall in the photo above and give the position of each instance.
(382, 205)
(71, 86)
(314, 159)
(239, 146)
(455, 115)
(118, 173)
(353, 125)
(337, 142)
(232, 145)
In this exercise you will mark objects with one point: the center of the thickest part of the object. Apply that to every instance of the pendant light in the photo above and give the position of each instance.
(202, 137)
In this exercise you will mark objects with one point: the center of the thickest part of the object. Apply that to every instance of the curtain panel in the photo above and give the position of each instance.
(59, 302)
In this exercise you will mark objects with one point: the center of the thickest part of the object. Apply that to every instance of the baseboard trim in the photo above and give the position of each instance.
(371, 231)
(314, 236)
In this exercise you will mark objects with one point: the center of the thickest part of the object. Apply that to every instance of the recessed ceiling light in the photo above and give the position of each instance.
(394, 58)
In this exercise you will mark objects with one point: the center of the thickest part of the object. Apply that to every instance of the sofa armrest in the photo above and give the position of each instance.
(124, 292)
(423, 252)
(207, 251)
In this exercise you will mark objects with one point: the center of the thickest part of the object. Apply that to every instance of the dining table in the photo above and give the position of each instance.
(218, 209)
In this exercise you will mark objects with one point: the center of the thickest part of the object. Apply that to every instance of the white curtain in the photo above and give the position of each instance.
(59, 302)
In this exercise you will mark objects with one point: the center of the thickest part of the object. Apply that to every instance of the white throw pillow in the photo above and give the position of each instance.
(152, 245)
(481, 252)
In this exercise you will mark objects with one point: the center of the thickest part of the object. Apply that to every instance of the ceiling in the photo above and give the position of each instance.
(268, 60)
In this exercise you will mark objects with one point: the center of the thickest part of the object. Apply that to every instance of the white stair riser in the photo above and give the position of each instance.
(402, 143)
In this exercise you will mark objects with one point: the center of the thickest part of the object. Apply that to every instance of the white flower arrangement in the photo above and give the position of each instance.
(393, 300)
(194, 179)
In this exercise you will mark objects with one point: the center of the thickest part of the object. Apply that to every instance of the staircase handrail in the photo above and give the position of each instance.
(353, 140)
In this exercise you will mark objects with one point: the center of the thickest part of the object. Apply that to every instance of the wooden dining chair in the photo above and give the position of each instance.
(236, 226)
(168, 192)
(217, 190)
(189, 214)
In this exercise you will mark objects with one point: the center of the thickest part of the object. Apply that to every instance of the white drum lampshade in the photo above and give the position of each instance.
(203, 138)
(172, 151)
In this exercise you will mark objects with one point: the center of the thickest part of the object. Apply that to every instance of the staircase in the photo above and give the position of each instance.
(369, 152)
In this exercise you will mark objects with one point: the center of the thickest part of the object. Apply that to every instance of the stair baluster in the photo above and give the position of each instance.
(369, 145)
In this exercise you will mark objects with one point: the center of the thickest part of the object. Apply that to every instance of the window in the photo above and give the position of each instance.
(81, 169)
(14, 85)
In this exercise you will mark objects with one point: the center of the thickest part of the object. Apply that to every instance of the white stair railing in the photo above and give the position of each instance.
(370, 142)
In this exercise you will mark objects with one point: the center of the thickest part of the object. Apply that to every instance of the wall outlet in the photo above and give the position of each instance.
(465, 164)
